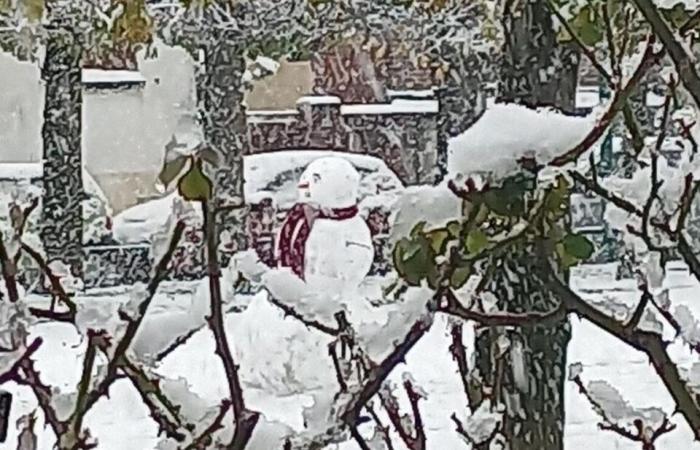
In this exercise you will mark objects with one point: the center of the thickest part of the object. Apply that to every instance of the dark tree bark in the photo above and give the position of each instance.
(62, 230)
(535, 69)
(220, 94)
(529, 379)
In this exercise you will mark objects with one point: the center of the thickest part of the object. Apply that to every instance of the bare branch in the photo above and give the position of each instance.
(647, 342)
(449, 304)
(619, 100)
(682, 60)
(9, 268)
(134, 323)
(13, 372)
(244, 419)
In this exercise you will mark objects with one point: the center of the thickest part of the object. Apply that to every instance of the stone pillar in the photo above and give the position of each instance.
(62, 211)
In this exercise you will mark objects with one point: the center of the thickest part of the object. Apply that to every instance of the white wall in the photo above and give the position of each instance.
(123, 131)
(21, 109)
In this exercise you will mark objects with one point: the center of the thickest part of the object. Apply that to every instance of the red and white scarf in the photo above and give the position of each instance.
(296, 230)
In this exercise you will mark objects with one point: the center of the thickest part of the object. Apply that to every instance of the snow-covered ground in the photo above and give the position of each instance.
(122, 422)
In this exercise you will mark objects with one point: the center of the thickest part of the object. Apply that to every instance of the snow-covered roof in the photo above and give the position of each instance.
(397, 106)
(112, 77)
(508, 132)
(319, 100)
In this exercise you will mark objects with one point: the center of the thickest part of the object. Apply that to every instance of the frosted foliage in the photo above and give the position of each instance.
(692, 377)
(507, 132)
(618, 410)
(650, 322)
(436, 205)
(652, 270)
(193, 408)
(63, 403)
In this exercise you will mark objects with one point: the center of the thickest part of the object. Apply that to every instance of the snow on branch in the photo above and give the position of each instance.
(650, 343)
(643, 425)
(482, 426)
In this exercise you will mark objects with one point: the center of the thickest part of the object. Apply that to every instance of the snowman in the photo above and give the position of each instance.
(324, 240)
(324, 252)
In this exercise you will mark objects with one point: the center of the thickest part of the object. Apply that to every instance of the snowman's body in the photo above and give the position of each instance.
(338, 251)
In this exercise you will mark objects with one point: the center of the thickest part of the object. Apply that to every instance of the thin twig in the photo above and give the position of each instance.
(619, 100)
(9, 268)
(134, 323)
(12, 373)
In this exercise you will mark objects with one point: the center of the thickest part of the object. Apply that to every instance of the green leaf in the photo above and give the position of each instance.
(578, 246)
(676, 15)
(438, 240)
(454, 228)
(588, 26)
(565, 259)
(209, 155)
(194, 186)
(171, 170)
(476, 241)
(460, 276)
(414, 259)
(418, 228)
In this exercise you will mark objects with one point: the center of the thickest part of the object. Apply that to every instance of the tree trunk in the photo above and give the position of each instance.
(61, 229)
(529, 379)
(536, 70)
(220, 100)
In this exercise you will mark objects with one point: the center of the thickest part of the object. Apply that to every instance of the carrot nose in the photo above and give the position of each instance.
(304, 185)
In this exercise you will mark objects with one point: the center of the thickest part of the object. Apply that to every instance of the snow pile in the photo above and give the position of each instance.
(139, 223)
(507, 132)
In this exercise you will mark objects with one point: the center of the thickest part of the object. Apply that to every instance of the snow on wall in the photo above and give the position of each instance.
(99, 76)
(397, 106)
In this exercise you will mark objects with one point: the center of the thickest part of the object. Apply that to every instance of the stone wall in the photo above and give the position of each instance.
(402, 131)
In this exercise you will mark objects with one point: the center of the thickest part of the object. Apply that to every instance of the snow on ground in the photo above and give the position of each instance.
(123, 423)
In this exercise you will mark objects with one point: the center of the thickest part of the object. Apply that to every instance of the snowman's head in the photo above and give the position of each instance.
(330, 182)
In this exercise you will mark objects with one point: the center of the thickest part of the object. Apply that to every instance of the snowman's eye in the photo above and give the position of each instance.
(317, 178)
